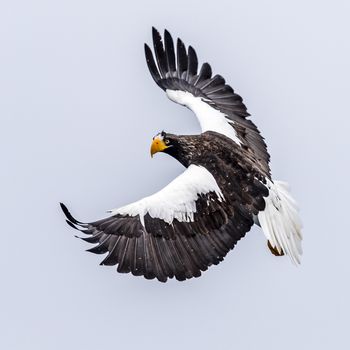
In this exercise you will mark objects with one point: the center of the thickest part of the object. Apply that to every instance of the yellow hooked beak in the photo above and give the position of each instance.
(158, 145)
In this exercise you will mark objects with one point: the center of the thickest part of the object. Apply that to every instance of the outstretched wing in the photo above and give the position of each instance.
(216, 105)
(177, 232)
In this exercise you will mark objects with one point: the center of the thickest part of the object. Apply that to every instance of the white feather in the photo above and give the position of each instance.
(280, 221)
(177, 200)
(209, 118)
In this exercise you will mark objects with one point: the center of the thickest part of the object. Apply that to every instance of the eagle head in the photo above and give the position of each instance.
(174, 145)
(164, 142)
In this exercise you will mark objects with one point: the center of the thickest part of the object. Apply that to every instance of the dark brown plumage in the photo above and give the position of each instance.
(184, 249)
(213, 90)
(199, 217)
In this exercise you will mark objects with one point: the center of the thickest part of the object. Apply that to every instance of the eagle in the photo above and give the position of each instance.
(226, 187)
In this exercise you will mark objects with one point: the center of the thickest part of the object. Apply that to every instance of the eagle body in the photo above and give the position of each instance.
(226, 187)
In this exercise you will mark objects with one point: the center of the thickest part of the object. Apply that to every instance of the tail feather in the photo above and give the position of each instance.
(280, 221)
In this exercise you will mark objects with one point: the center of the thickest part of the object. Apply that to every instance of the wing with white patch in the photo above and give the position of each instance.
(178, 199)
(177, 232)
(216, 105)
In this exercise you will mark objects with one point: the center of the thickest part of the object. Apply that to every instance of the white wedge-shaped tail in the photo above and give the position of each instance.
(280, 221)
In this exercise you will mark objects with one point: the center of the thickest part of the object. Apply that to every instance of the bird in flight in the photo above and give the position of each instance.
(226, 187)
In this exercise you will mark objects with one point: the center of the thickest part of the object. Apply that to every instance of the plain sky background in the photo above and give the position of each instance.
(78, 109)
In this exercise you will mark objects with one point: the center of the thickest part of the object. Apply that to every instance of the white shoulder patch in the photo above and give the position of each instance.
(209, 117)
(177, 200)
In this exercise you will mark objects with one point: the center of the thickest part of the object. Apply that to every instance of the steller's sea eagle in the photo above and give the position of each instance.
(194, 221)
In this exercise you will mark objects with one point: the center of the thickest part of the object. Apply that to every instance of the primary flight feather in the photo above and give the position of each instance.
(194, 221)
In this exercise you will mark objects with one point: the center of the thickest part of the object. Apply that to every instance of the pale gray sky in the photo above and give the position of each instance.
(78, 109)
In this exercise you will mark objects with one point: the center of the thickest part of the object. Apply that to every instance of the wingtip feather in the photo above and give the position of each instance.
(69, 216)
